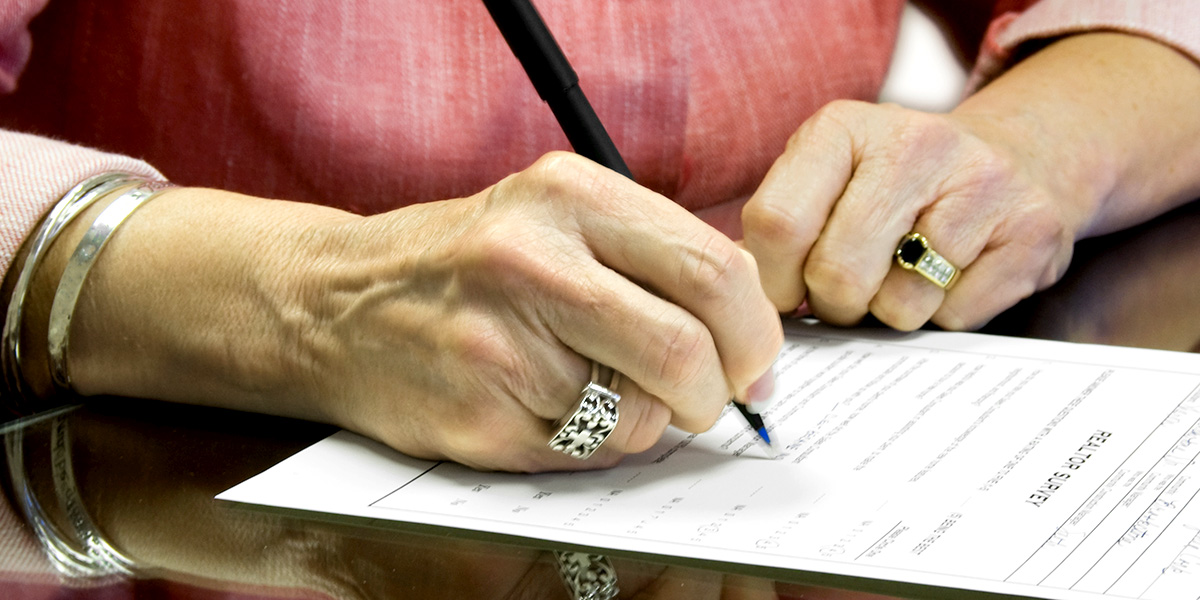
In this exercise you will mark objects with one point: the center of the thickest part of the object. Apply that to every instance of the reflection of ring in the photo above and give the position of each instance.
(593, 420)
(587, 576)
(913, 253)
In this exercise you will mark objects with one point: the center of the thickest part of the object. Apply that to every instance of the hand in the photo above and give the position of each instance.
(453, 330)
(856, 178)
(1092, 134)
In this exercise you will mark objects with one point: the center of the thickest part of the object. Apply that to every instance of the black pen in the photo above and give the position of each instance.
(558, 86)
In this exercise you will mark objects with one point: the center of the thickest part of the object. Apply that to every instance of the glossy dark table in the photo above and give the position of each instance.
(146, 474)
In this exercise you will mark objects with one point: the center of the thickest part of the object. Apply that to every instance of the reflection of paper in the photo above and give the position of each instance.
(1016, 466)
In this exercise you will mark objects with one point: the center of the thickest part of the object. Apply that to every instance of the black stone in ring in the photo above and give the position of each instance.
(912, 249)
(914, 254)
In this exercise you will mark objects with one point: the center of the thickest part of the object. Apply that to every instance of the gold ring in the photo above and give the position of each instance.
(914, 254)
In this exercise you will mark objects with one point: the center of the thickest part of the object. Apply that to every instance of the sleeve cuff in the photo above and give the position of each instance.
(1175, 23)
(35, 172)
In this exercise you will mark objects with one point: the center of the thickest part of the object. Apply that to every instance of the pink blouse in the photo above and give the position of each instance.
(375, 104)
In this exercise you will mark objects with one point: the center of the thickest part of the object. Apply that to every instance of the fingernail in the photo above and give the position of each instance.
(761, 393)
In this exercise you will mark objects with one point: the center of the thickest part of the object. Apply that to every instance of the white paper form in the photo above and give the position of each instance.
(987, 463)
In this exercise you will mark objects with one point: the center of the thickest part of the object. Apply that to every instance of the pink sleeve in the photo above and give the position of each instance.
(1175, 23)
(35, 172)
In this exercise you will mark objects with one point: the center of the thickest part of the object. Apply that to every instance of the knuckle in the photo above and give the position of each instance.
(558, 163)
(988, 170)
(828, 123)
(906, 321)
(710, 269)
(777, 228)
(486, 349)
(951, 319)
(836, 283)
(1038, 221)
(969, 315)
(898, 316)
(838, 112)
(919, 141)
(563, 176)
(650, 422)
(675, 354)
(1037, 234)
(513, 252)
(494, 362)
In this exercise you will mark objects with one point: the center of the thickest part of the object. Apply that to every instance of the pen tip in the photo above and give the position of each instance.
(762, 433)
(767, 445)
(769, 448)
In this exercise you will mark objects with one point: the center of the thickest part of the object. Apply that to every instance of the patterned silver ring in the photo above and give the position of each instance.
(587, 576)
(581, 432)
(914, 253)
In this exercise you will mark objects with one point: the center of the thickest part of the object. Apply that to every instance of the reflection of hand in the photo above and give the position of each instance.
(1092, 134)
(157, 507)
(456, 330)
(857, 177)
(647, 581)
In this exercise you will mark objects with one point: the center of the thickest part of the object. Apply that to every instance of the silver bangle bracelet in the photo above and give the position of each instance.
(74, 202)
(71, 284)
(70, 538)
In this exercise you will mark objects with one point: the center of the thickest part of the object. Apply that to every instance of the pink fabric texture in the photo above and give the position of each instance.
(376, 104)
(36, 171)
(1172, 22)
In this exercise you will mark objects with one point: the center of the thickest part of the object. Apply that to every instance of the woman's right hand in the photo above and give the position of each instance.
(456, 330)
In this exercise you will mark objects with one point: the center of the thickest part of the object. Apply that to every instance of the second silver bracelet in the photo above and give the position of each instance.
(69, 287)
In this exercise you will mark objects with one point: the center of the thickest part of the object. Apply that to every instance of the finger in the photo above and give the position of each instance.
(1000, 277)
(643, 417)
(640, 418)
(906, 299)
(663, 349)
(659, 245)
(572, 305)
(786, 214)
(848, 263)
(893, 185)
(708, 277)
(643, 420)
(518, 441)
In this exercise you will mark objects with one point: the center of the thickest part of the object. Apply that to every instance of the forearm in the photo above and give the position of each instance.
(182, 304)
(1109, 119)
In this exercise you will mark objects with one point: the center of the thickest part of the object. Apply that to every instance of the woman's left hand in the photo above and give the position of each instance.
(857, 178)
(1092, 134)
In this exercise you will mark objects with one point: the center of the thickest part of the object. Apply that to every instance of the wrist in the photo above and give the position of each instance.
(38, 272)
(1104, 121)
(197, 299)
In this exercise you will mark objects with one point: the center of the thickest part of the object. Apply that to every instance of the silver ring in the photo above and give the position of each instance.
(587, 576)
(914, 254)
(581, 432)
